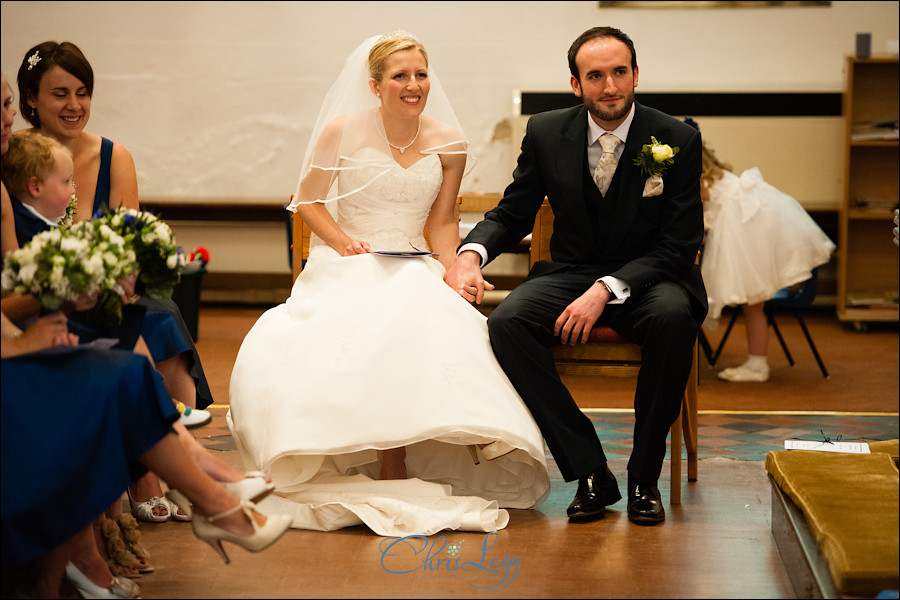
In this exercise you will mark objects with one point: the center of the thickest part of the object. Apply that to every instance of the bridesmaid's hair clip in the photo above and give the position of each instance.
(34, 59)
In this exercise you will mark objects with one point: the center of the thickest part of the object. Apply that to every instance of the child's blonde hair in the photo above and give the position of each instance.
(30, 154)
(712, 166)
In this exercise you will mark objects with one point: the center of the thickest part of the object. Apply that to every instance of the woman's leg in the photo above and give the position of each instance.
(757, 329)
(756, 367)
(393, 463)
(178, 380)
(46, 573)
(208, 462)
(168, 459)
(87, 558)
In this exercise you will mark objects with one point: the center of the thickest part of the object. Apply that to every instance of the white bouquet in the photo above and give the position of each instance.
(56, 268)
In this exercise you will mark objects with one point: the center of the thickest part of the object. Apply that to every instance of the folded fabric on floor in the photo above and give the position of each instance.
(850, 502)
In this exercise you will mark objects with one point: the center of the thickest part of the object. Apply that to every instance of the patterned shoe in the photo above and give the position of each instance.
(192, 417)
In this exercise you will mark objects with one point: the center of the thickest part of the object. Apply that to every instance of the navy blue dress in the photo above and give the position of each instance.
(160, 313)
(74, 425)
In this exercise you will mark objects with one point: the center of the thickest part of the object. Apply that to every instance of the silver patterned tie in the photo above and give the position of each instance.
(606, 167)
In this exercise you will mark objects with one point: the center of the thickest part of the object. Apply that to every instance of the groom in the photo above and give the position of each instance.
(623, 256)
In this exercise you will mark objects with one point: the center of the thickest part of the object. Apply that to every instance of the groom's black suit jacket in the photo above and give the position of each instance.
(647, 239)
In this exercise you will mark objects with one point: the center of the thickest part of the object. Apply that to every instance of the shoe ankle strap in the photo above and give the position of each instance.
(243, 504)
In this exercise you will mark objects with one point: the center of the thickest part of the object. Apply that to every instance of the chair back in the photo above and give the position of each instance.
(801, 297)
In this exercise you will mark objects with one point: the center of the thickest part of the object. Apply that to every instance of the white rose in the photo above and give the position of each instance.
(27, 254)
(70, 244)
(163, 233)
(172, 261)
(94, 265)
(662, 152)
(110, 259)
(26, 273)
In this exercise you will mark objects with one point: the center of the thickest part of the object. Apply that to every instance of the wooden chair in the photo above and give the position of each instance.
(608, 353)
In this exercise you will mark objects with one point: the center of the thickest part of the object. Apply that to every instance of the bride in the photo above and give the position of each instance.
(372, 394)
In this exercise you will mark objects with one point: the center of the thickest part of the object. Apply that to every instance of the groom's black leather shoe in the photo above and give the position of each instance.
(595, 492)
(645, 504)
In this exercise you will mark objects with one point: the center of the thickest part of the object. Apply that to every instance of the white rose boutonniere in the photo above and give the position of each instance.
(653, 159)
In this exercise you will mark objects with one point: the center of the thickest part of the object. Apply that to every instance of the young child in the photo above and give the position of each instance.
(38, 172)
(759, 240)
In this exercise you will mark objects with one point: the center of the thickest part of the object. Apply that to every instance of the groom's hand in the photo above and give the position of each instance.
(577, 320)
(465, 278)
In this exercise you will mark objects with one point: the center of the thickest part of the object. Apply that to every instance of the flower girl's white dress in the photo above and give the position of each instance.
(373, 352)
(759, 240)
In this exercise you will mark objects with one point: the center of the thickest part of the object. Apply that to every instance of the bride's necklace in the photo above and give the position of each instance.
(384, 135)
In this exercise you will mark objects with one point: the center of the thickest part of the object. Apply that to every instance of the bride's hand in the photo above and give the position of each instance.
(356, 247)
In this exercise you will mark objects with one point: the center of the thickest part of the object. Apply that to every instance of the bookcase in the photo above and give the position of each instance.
(867, 257)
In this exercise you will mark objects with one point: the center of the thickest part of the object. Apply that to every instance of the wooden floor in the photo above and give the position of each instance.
(716, 544)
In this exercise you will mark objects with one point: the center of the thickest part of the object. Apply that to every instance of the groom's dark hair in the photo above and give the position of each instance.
(593, 34)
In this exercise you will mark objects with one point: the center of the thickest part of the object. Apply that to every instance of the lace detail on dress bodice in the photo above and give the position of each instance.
(390, 212)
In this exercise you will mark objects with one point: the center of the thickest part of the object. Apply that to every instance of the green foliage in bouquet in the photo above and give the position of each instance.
(159, 260)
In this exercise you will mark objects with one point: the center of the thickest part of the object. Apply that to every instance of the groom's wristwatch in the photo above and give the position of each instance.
(612, 294)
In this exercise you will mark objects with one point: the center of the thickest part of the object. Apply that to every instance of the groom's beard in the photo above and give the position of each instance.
(609, 114)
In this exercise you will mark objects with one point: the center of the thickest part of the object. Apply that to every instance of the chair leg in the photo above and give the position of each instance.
(689, 426)
(812, 346)
(787, 353)
(715, 356)
(705, 346)
(675, 453)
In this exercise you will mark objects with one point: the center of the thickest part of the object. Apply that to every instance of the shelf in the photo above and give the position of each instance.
(867, 260)
(871, 214)
(886, 143)
(869, 314)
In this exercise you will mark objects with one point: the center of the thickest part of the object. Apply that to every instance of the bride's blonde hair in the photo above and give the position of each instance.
(388, 44)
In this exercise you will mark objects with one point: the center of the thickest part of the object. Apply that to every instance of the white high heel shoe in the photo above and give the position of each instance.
(118, 588)
(253, 487)
(205, 529)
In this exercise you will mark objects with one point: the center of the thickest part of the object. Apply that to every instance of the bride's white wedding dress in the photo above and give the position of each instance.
(374, 352)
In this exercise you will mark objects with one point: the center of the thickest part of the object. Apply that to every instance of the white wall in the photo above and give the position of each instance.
(216, 99)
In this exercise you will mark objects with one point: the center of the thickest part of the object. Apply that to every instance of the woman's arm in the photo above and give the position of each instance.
(123, 188)
(8, 231)
(323, 225)
(443, 220)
